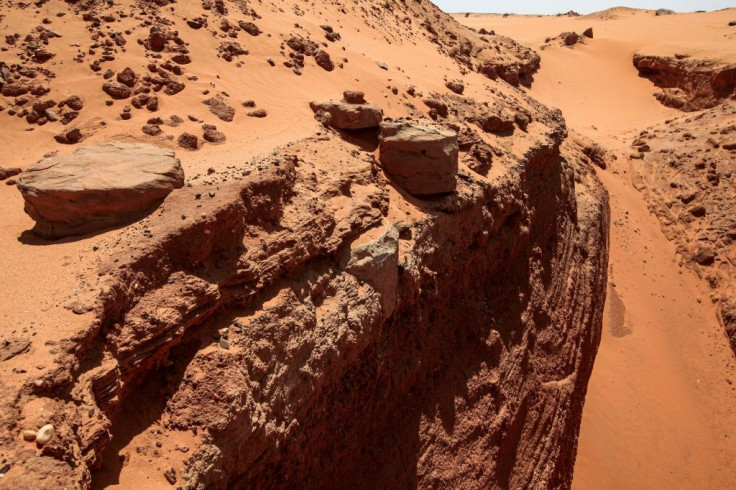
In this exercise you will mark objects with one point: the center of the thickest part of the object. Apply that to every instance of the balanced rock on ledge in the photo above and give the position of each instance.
(98, 187)
(353, 112)
(420, 159)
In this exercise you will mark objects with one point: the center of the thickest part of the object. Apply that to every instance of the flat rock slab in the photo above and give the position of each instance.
(97, 187)
(344, 115)
(421, 159)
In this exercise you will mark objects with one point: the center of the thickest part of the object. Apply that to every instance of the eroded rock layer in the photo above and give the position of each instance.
(299, 319)
(310, 326)
(686, 170)
(687, 84)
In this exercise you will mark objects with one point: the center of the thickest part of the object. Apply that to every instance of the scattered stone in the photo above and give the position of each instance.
(196, 23)
(45, 434)
(73, 102)
(127, 77)
(151, 130)
(51, 115)
(211, 135)
(456, 86)
(11, 347)
(571, 38)
(260, 113)
(29, 435)
(188, 141)
(219, 108)
(423, 160)
(69, 137)
(152, 104)
(382, 65)
(495, 124)
(97, 187)
(438, 106)
(157, 39)
(6, 173)
(343, 115)
(303, 46)
(588, 33)
(181, 59)
(116, 90)
(322, 58)
(170, 475)
(250, 28)
(353, 97)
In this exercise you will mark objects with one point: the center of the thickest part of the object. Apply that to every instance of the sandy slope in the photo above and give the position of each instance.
(660, 410)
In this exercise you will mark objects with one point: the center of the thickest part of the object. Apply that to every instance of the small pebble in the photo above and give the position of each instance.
(45, 434)
(29, 435)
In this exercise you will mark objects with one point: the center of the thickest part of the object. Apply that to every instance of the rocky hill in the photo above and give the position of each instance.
(303, 312)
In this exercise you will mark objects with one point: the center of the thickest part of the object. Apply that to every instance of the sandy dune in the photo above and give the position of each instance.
(661, 405)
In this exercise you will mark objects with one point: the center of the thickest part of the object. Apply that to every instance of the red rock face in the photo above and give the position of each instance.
(689, 85)
(445, 344)
(301, 320)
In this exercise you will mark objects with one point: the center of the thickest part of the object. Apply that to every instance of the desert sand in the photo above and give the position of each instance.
(304, 312)
(661, 405)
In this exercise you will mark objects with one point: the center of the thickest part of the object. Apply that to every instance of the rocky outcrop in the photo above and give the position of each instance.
(303, 310)
(297, 320)
(97, 187)
(347, 115)
(686, 177)
(686, 84)
(420, 159)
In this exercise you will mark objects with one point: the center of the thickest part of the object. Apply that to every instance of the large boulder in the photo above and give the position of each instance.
(348, 115)
(98, 187)
(420, 159)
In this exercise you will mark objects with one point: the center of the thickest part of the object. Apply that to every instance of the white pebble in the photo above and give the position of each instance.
(45, 434)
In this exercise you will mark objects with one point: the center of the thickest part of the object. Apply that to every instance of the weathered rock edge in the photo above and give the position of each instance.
(475, 358)
(97, 187)
(688, 84)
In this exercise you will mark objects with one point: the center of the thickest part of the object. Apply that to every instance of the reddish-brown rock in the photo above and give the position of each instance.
(343, 115)
(687, 84)
(97, 187)
(421, 159)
